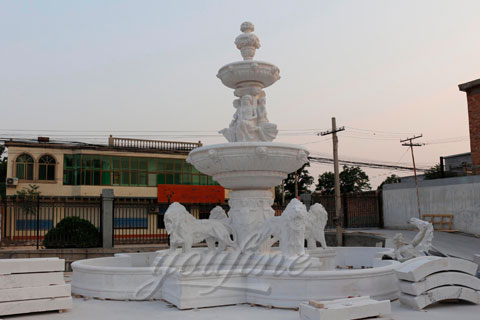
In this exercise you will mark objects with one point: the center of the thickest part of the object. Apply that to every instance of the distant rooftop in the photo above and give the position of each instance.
(114, 144)
(469, 85)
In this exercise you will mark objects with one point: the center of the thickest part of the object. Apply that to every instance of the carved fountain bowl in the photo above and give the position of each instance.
(235, 75)
(248, 165)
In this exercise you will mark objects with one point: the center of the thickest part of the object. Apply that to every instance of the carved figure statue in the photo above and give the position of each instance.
(246, 127)
(229, 133)
(267, 131)
(315, 223)
(289, 229)
(185, 230)
(419, 245)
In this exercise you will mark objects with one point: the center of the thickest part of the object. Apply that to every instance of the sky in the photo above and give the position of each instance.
(387, 70)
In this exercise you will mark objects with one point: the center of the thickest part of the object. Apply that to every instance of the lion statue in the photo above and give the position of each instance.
(316, 220)
(185, 230)
(289, 229)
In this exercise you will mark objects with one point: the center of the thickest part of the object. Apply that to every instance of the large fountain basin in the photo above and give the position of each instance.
(248, 165)
(121, 277)
(249, 73)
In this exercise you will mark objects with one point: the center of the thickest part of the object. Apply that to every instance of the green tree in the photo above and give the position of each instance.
(352, 179)
(390, 179)
(305, 180)
(29, 196)
(3, 171)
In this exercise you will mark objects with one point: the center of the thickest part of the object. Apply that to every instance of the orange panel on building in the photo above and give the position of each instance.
(190, 194)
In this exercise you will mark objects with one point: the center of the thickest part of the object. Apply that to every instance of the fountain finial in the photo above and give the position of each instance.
(247, 42)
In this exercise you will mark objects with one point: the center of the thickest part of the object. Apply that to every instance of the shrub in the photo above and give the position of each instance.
(72, 232)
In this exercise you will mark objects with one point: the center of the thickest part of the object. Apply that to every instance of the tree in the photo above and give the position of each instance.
(390, 179)
(3, 171)
(305, 180)
(352, 179)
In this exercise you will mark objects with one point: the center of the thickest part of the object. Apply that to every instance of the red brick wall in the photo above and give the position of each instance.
(473, 98)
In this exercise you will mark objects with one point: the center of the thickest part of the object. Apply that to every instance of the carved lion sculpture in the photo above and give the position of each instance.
(185, 230)
(289, 229)
(315, 223)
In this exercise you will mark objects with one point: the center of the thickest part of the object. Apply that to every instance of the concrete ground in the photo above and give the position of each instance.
(454, 244)
(119, 310)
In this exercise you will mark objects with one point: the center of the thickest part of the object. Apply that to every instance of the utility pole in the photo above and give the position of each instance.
(411, 145)
(338, 199)
(296, 184)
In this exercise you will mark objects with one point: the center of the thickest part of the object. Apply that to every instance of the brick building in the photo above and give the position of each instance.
(472, 89)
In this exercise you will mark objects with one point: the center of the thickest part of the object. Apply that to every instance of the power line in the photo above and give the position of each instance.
(372, 165)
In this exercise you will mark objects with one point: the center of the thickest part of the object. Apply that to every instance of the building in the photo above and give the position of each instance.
(472, 89)
(131, 167)
(461, 163)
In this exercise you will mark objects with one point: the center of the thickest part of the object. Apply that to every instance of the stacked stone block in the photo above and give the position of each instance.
(33, 285)
(344, 309)
(427, 280)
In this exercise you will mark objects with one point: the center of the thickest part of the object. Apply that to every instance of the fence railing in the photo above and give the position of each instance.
(135, 221)
(26, 222)
(360, 210)
(152, 144)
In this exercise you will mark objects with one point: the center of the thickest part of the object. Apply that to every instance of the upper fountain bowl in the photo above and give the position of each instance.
(250, 73)
(248, 165)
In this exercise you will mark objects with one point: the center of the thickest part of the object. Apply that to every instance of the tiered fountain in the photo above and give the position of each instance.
(250, 165)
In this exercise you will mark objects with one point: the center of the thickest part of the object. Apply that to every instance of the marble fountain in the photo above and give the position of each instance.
(240, 263)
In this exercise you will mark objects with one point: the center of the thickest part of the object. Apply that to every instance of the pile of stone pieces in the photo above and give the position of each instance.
(344, 309)
(427, 280)
(33, 285)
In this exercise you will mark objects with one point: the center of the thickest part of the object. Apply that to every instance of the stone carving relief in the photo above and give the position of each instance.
(419, 246)
(315, 223)
(185, 230)
(288, 229)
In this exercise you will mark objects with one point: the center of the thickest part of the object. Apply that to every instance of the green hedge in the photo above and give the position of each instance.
(72, 232)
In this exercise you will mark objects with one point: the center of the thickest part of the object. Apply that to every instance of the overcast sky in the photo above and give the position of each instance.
(385, 69)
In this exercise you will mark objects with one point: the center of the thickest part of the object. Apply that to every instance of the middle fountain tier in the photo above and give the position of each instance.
(250, 165)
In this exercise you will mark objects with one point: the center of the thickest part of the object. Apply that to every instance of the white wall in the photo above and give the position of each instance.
(459, 196)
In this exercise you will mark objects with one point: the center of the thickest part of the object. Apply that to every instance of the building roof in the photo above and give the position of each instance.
(115, 144)
(469, 85)
(457, 155)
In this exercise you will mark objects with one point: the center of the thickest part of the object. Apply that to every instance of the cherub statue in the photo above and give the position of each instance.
(267, 131)
(229, 133)
(185, 230)
(316, 220)
(419, 246)
(246, 126)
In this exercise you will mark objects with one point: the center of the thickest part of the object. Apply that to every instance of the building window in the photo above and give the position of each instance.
(46, 168)
(24, 166)
(130, 171)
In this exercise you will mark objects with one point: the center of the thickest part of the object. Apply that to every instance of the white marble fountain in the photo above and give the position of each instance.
(240, 263)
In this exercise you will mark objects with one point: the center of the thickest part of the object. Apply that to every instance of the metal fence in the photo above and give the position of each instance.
(141, 221)
(26, 222)
(360, 210)
(135, 221)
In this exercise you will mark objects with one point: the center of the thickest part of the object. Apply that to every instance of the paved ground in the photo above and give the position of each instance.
(454, 244)
(96, 309)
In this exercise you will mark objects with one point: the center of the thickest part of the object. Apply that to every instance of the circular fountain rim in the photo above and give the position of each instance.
(231, 145)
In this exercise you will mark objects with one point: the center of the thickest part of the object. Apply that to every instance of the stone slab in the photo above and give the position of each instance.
(27, 306)
(10, 266)
(22, 280)
(440, 294)
(31, 293)
(345, 309)
(419, 268)
(439, 279)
